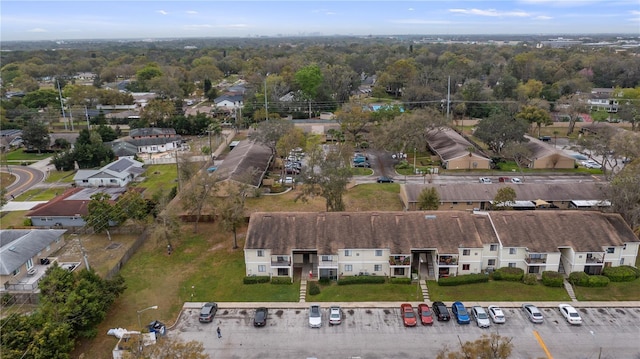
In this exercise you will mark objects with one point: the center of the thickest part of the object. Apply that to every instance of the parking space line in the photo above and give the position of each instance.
(541, 342)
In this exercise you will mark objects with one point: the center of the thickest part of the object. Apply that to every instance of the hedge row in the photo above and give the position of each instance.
(621, 273)
(530, 279)
(400, 280)
(256, 279)
(463, 279)
(582, 279)
(552, 279)
(512, 274)
(365, 279)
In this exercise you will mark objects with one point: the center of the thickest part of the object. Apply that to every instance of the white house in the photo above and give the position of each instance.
(115, 174)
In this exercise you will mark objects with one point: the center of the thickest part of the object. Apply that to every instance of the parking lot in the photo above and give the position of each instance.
(379, 333)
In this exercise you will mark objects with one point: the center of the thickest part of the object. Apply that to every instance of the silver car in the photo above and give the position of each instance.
(533, 313)
(315, 316)
(335, 315)
(481, 317)
(496, 314)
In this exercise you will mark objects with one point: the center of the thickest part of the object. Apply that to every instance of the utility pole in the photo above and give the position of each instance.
(266, 104)
(448, 95)
(62, 105)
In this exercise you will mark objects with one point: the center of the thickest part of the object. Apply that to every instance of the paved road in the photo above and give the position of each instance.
(375, 330)
(26, 177)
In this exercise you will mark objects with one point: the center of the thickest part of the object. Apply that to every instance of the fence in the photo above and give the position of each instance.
(128, 254)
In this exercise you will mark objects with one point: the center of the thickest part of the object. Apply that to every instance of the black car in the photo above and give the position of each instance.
(441, 311)
(260, 318)
(383, 179)
(207, 312)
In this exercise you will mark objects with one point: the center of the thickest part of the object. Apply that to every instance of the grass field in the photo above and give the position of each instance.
(40, 194)
(60, 177)
(158, 178)
(613, 291)
(367, 292)
(497, 291)
(18, 156)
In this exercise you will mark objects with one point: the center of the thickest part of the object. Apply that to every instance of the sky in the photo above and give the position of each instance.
(124, 19)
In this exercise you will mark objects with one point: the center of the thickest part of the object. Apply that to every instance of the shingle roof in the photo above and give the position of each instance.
(398, 231)
(18, 246)
(151, 131)
(546, 231)
(118, 169)
(540, 149)
(475, 192)
(448, 144)
(246, 156)
(73, 202)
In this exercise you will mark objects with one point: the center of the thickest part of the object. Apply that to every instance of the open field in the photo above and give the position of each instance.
(503, 291)
(18, 156)
(158, 178)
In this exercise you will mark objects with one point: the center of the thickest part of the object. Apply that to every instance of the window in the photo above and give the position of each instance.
(512, 251)
(621, 261)
(611, 250)
(260, 253)
(469, 203)
(378, 252)
(491, 262)
(262, 268)
(466, 266)
(512, 265)
(29, 264)
(348, 268)
(347, 252)
(16, 272)
(327, 258)
(466, 252)
(493, 247)
(377, 268)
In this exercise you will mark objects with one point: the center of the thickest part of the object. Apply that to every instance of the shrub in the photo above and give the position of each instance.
(256, 279)
(512, 274)
(463, 279)
(324, 281)
(621, 273)
(27, 222)
(552, 279)
(314, 289)
(580, 279)
(598, 281)
(366, 279)
(281, 280)
(530, 279)
(400, 280)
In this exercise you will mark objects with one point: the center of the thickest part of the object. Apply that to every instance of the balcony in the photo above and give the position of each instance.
(447, 260)
(536, 259)
(399, 260)
(280, 261)
(594, 258)
(325, 261)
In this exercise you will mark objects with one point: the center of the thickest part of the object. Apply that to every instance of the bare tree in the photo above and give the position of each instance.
(572, 106)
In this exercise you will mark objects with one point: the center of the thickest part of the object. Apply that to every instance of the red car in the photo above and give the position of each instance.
(408, 316)
(426, 317)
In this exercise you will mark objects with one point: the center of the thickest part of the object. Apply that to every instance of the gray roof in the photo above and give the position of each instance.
(228, 97)
(122, 148)
(449, 144)
(546, 231)
(399, 232)
(478, 192)
(446, 231)
(151, 131)
(118, 169)
(18, 246)
(246, 156)
(540, 149)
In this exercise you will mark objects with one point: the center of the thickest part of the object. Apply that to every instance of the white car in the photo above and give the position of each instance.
(516, 180)
(591, 164)
(484, 180)
(335, 315)
(288, 180)
(315, 316)
(496, 314)
(570, 314)
(482, 319)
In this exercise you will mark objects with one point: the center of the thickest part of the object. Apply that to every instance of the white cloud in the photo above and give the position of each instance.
(490, 12)
(410, 9)
(330, 13)
(37, 29)
(419, 22)
(635, 12)
(542, 17)
(162, 12)
(192, 12)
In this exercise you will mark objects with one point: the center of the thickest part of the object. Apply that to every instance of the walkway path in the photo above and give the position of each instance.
(303, 290)
(569, 288)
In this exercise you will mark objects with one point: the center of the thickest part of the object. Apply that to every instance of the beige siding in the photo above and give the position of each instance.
(467, 163)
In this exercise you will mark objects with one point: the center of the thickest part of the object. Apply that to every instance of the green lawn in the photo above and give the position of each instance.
(367, 292)
(18, 156)
(503, 291)
(40, 194)
(60, 176)
(14, 219)
(159, 178)
(614, 291)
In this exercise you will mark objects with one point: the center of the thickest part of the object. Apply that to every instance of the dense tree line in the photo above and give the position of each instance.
(71, 306)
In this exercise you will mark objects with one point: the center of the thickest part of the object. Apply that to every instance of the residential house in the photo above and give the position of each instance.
(229, 102)
(153, 140)
(25, 256)
(546, 156)
(67, 209)
(470, 196)
(115, 174)
(433, 244)
(455, 152)
(603, 99)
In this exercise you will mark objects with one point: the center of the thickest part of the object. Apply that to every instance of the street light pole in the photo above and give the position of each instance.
(143, 310)
(414, 161)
